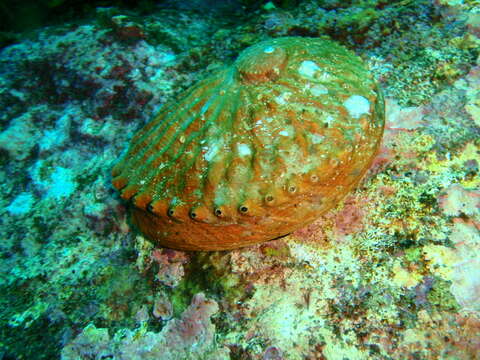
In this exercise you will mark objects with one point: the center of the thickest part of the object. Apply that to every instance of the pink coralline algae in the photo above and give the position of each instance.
(170, 266)
(457, 200)
(162, 308)
(190, 337)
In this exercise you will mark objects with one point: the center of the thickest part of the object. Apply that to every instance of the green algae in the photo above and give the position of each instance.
(441, 297)
(357, 19)
(414, 254)
(282, 251)
(218, 277)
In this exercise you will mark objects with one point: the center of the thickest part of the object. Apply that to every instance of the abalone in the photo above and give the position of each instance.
(256, 150)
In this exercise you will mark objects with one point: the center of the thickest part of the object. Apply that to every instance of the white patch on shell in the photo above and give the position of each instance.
(282, 98)
(318, 90)
(329, 119)
(22, 204)
(316, 139)
(287, 131)
(205, 107)
(269, 50)
(297, 163)
(308, 68)
(244, 150)
(357, 105)
(212, 151)
(221, 194)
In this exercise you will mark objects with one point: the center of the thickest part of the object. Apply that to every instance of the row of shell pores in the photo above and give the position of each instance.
(280, 123)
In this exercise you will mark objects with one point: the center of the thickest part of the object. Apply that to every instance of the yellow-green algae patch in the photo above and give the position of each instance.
(299, 304)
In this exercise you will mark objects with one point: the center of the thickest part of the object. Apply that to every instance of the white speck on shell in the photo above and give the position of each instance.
(318, 90)
(287, 131)
(308, 68)
(212, 151)
(269, 50)
(282, 98)
(316, 139)
(357, 105)
(244, 150)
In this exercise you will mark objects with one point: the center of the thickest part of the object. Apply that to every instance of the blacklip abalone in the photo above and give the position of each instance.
(256, 150)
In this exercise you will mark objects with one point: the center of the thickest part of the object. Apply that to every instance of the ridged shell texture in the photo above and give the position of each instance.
(255, 151)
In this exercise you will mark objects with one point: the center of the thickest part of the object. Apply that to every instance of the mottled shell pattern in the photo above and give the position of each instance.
(255, 151)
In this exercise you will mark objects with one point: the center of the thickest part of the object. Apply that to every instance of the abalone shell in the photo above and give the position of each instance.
(256, 150)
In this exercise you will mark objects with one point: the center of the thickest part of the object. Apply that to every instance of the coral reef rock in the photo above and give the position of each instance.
(256, 150)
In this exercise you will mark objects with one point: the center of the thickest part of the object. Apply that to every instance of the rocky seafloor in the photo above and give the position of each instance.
(392, 273)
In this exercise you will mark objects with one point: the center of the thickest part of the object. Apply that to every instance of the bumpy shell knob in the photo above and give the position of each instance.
(261, 63)
(256, 150)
